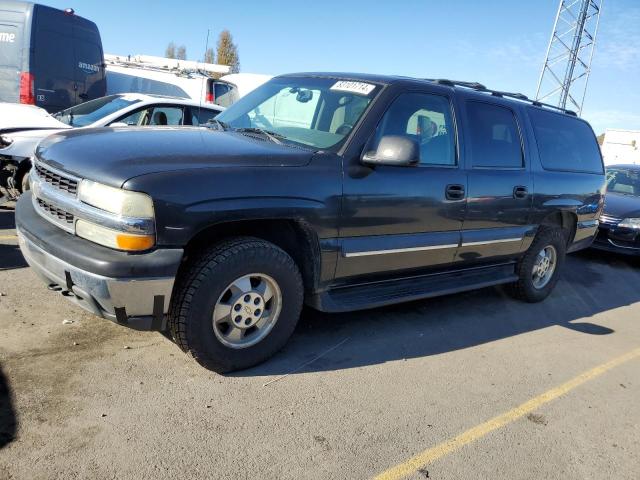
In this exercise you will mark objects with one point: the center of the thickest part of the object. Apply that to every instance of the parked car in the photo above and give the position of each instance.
(620, 220)
(15, 117)
(343, 192)
(48, 57)
(133, 109)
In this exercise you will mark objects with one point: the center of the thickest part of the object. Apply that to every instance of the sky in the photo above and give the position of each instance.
(500, 43)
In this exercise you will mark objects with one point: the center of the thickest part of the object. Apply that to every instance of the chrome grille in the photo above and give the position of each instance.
(609, 220)
(61, 182)
(56, 212)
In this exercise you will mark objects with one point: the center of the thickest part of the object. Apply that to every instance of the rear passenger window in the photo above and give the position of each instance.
(425, 119)
(565, 143)
(494, 136)
(200, 116)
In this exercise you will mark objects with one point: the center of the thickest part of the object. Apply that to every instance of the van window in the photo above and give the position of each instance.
(424, 118)
(224, 94)
(123, 83)
(494, 139)
(565, 143)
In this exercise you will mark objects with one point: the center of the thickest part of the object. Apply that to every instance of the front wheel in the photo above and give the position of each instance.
(538, 271)
(237, 304)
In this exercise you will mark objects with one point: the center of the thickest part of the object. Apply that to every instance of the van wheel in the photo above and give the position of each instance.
(236, 304)
(538, 271)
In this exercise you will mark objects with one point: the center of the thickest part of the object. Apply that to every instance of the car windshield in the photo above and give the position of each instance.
(625, 181)
(317, 113)
(94, 110)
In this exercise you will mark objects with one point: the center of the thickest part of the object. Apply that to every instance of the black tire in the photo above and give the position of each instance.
(524, 289)
(202, 283)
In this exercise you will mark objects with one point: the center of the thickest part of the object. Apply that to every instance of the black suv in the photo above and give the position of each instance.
(340, 191)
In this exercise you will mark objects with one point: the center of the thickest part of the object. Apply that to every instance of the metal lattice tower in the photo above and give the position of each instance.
(565, 74)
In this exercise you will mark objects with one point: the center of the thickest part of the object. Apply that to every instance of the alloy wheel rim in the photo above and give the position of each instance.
(544, 266)
(247, 310)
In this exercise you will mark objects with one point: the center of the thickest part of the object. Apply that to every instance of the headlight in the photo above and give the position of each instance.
(113, 238)
(116, 200)
(630, 223)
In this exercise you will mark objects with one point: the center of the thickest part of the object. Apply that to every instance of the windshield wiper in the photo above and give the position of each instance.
(217, 124)
(273, 136)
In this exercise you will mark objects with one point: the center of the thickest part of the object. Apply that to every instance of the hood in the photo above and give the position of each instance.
(15, 117)
(622, 206)
(115, 155)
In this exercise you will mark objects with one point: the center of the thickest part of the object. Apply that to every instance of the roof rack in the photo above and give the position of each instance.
(478, 87)
(167, 65)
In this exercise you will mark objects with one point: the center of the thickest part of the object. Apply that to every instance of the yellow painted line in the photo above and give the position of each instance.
(8, 237)
(432, 454)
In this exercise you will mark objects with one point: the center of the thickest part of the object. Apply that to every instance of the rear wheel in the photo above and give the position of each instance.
(538, 271)
(237, 304)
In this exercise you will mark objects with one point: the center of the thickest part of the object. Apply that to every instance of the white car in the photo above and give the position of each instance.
(122, 110)
(18, 116)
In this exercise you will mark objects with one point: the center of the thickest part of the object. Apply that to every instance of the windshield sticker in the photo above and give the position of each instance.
(359, 88)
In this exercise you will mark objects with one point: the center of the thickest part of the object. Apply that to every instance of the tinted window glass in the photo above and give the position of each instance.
(625, 181)
(565, 143)
(425, 119)
(494, 138)
(201, 116)
(166, 116)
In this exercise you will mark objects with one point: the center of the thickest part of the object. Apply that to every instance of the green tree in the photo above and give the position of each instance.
(170, 52)
(209, 56)
(181, 53)
(228, 51)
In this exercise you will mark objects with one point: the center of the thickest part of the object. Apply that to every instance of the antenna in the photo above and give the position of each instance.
(567, 66)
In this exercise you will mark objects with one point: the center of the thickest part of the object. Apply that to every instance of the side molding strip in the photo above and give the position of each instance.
(400, 250)
(489, 242)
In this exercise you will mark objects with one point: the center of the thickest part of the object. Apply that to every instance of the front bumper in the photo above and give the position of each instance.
(611, 238)
(132, 290)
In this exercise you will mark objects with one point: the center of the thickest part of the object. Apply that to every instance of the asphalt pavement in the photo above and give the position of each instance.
(467, 386)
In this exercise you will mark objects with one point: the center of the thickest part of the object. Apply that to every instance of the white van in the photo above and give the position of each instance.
(178, 78)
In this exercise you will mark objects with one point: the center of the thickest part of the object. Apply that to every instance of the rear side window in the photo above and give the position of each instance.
(565, 143)
(200, 116)
(494, 136)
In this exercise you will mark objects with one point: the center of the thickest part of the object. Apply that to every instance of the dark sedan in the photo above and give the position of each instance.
(620, 221)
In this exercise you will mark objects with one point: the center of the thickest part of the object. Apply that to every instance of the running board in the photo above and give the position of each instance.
(388, 292)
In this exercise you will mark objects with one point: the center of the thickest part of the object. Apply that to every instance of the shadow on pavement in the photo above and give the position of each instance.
(8, 420)
(11, 257)
(592, 283)
(7, 220)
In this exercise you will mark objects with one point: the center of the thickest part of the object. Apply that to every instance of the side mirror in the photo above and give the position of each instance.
(118, 124)
(394, 150)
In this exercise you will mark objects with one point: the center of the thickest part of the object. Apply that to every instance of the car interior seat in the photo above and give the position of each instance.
(160, 118)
